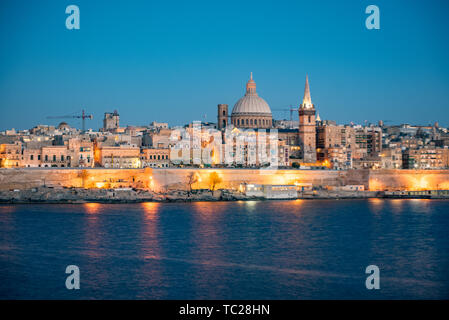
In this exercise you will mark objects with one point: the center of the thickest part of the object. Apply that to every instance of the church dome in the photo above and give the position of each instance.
(63, 125)
(251, 103)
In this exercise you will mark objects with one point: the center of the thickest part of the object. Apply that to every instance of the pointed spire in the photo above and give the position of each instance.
(318, 117)
(307, 101)
(251, 76)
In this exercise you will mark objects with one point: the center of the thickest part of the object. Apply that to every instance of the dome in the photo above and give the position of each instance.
(251, 103)
(63, 125)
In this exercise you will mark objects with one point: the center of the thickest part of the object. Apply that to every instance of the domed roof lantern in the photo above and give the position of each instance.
(251, 86)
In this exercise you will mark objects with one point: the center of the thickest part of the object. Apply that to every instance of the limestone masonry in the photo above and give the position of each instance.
(162, 180)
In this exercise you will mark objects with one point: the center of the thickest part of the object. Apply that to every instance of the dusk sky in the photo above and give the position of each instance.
(173, 61)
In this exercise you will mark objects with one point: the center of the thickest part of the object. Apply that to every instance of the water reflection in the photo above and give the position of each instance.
(280, 250)
(397, 205)
(151, 272)
(7, 209)
(92, 207)
(91, 230)
(250, 206)
(420, 205)
(151, 210)
(376, 205)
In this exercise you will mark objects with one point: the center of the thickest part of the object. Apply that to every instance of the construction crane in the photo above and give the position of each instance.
(291, 109)
(83, 116)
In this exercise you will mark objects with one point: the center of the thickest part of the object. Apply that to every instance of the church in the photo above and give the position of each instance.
(253, 112)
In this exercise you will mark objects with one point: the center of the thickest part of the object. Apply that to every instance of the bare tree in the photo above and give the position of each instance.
(192, 178)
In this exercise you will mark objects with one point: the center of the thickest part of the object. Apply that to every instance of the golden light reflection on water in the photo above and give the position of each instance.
(7, 209)
(209, 211)
(92, 230)
(420, 205)
(397, 205)
(250, 205)
(92, 207)
(376, 205)
(151, 209)
(150, 236)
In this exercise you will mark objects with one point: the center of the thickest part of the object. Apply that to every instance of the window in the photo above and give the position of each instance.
(62, 158)
(224, 112)
(31, 157)
(46, 157)
(54, 157)
(38, 157)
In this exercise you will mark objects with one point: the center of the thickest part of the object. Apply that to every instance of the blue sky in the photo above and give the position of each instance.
(175, 61)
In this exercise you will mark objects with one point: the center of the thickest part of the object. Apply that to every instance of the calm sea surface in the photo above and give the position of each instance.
(304, 249)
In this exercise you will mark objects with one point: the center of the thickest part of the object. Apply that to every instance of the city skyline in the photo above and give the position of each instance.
(174, 64)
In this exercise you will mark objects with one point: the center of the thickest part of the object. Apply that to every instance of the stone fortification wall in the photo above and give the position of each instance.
(171, 178)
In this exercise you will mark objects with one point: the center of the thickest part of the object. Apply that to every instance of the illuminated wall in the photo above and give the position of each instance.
(409, 179)
(171, 178)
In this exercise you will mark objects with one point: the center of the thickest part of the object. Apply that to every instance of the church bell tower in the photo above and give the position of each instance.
(307, 127)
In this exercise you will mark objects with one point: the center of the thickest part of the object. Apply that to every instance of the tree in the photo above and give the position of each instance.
(214, 180)
(192, 178)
